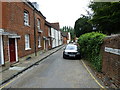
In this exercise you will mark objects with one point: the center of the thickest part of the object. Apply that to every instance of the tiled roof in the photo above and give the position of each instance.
(47, 23)
(55, 26)
(64, 34)
(35, 8)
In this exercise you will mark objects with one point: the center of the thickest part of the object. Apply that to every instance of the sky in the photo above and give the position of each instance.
(66, 12)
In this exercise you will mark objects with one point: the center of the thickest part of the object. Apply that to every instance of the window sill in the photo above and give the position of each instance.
(27, 25)
(27, 48)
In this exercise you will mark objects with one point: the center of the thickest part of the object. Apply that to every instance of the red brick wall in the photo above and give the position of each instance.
(64, 40)
(42, 27)
(111, 62)
(13, 22)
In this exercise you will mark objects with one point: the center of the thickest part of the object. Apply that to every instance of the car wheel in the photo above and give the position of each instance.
(64, 56)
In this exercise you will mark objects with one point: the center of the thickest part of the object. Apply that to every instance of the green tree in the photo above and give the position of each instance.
(82, 25)
(106, 16)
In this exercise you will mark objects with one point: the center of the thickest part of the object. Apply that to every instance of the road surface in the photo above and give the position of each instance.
(55, 72)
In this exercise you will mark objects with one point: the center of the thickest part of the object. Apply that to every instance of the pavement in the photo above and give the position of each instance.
(20, 67)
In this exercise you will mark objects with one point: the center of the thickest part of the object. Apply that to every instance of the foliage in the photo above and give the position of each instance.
(82, 25)
(90, 44)
(106, 16)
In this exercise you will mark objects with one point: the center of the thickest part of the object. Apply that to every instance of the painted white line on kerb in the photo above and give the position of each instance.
(92, 75)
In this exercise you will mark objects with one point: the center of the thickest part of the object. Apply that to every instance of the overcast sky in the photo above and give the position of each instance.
(66, 12)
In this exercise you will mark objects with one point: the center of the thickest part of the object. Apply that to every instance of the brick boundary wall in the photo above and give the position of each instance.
(111, 60)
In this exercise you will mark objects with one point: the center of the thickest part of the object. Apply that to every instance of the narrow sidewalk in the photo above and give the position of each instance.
(24, 65)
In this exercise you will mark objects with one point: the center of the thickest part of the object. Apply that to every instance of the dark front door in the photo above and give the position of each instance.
(12, 50)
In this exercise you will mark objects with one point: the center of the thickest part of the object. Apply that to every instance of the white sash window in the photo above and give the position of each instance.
(26, 18)
(27, 42)
(38, 24)
(39, 42)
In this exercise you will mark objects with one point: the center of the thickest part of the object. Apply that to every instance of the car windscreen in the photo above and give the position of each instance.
(71, 47)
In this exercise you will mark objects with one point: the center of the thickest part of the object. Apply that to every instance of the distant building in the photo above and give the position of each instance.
(69, 37)
(56, 35)
(65, 37)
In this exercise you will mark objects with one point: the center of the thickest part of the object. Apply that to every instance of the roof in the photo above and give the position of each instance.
(55, 25)
(47, 23)
(64, 34)
(35, 8)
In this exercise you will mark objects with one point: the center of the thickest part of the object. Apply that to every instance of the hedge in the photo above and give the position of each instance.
(90, 44)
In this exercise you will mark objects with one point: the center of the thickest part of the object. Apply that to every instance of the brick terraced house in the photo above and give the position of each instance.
(24, 32)
(48, 42)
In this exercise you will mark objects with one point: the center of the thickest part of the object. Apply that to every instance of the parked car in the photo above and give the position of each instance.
(70, 51)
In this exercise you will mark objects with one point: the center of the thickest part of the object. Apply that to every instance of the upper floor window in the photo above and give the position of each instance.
(38, 24)
(26, 18)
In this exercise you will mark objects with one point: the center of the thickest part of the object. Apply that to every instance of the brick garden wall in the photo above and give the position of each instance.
(111, 59)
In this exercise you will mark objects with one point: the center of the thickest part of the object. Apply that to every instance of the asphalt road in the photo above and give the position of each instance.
(55, 72)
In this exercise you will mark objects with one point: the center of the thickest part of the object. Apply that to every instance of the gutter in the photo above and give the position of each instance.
(34, 33)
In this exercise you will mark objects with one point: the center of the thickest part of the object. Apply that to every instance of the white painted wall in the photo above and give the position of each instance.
(60, 41)
(53, 37)
(56, 37)
(69, 38)
(1, 51)
(16, 49)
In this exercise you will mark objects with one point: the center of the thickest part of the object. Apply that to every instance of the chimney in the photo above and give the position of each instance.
(35, 5)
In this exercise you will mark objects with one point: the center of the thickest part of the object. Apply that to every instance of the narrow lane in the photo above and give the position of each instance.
(55, 72)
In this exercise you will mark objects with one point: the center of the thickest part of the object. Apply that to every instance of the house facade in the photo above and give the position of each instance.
(56, 35)
(20, 32)
(69, 37)
(24, 32)
(48, 35)
(65, 37)
(39, 27)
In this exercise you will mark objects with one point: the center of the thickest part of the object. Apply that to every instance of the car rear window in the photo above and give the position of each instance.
(71, 47)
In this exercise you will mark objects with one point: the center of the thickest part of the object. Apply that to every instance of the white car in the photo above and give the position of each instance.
(71, 50)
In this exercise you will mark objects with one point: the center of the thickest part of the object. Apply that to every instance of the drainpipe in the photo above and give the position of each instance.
(34, 33)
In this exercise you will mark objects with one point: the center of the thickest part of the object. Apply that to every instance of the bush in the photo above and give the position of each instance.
(90, 44)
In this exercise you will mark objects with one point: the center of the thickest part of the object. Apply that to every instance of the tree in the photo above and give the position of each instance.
(82, 25)
(106, 16)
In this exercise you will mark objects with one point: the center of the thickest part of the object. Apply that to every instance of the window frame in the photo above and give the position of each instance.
(26, 18)
(39, 42)
(38, 24)
(27, 42)
(49, 30)
(49, 42)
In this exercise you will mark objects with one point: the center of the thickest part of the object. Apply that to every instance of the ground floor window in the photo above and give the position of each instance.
(27, 42)
(1, 51)
(44, 44)
(49, 42)
(39, 42)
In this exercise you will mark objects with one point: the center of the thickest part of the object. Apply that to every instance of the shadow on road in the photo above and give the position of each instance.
(72, 58)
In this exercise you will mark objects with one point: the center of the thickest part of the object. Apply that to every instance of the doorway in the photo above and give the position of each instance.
(13, 50)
